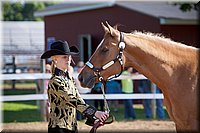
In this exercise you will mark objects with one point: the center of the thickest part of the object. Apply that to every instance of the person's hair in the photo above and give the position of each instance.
(53, 64)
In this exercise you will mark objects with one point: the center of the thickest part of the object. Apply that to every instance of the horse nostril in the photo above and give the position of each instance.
(80, 78)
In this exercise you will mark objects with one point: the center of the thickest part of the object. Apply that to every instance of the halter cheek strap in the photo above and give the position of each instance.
(118, 58)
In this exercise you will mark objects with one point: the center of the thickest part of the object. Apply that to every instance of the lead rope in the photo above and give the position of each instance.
(106, 109)
(97, 73)
(103, 88)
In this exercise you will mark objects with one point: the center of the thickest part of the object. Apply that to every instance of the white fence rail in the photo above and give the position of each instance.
(35, 76)
(25, 76)
(31, 76)
(84, 96)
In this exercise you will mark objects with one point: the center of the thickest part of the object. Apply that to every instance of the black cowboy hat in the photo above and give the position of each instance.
(60, 48)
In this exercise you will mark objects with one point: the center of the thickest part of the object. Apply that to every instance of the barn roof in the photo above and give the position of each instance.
(162, 10)
(159, 9)
(68, 7)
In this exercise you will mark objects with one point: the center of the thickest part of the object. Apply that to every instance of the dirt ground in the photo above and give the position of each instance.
(125, 126)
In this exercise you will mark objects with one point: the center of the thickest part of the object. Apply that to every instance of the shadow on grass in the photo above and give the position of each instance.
(18, 91)
(25, 115)
(140, 115)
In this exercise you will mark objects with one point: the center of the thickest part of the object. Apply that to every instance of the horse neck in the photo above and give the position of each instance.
(157, 58)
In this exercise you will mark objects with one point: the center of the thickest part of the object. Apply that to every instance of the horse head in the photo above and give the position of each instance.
(105, 61)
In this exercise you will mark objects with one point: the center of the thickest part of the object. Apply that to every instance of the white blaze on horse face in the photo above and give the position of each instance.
(98, 46)
(100, 43)
(114, 44)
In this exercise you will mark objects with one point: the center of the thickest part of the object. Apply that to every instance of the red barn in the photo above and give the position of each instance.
(80, 23)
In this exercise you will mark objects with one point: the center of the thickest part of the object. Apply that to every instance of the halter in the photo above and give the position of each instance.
(97, 71)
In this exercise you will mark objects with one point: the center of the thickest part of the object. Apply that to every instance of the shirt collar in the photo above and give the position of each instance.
(59, 72)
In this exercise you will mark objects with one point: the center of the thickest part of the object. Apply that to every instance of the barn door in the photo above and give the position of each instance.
(85, 47)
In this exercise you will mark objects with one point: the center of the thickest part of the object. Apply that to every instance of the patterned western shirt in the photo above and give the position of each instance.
(64, 99)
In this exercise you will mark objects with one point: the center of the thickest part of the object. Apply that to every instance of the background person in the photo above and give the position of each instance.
(127, 88)
(79, 66)
(63, 95)
(159, 106)
(113, 87)
(77, 70)
(98, 103)
(145, 87)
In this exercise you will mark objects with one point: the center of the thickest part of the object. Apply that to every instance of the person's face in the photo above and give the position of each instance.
(63, 61)
(130, 69)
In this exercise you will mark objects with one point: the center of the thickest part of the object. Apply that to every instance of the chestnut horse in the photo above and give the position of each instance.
(172, 66)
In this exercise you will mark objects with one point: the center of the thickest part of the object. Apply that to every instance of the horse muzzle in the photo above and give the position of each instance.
(88, 82)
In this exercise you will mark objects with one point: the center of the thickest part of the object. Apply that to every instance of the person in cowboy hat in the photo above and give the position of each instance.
(63, 95)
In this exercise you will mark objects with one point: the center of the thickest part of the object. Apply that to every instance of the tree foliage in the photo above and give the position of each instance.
(22, 11)
(25, 11)
(187, 7)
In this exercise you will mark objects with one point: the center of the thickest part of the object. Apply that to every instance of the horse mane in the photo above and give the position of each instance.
(158, 37)
(151, 35)
(155, 36)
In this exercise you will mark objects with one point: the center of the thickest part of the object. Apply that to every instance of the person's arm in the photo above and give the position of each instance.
(90, 112)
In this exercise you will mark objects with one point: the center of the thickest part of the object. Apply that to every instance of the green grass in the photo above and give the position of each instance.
(23, 111)
(28, 111)
(31, 84)
(20, 111)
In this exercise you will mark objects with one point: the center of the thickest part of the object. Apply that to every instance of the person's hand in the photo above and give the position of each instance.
(102, 116)
(100, 123)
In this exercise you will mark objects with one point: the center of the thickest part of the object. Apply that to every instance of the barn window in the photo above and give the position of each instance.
(85, 47)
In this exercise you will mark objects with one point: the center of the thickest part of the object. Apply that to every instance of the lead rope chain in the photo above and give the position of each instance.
(106, 107)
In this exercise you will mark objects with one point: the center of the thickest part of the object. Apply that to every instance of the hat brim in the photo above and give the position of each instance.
(52, 52)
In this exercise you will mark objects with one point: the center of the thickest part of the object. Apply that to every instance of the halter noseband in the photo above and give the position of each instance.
(118, 58)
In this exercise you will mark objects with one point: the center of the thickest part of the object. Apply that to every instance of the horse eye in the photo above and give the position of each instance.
(105, 50)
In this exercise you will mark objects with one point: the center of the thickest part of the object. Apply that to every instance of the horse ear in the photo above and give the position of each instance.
(113, 32)
(106, 30)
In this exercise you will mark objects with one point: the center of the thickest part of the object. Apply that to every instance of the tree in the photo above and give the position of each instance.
(23, 11)
(186, 7)
(12, 12)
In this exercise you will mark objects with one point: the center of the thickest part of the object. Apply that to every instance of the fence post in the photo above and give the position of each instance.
(153, 90)
(14, 71)
(41, 91)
